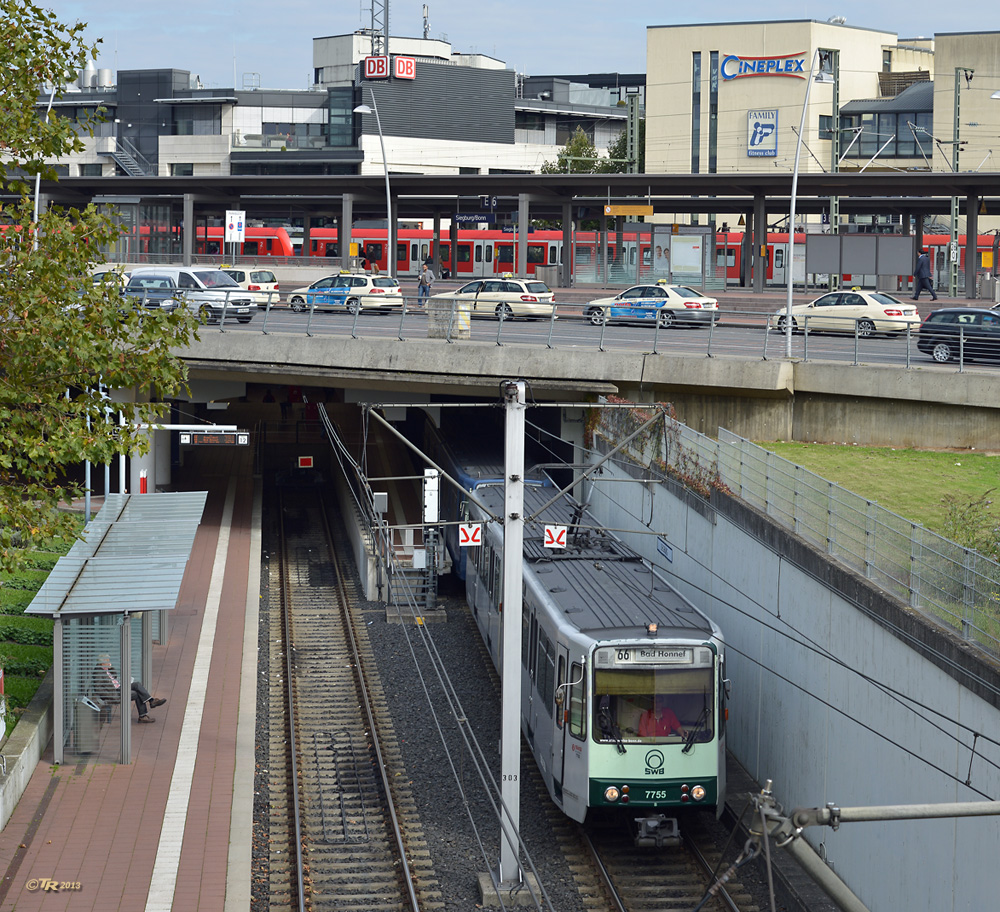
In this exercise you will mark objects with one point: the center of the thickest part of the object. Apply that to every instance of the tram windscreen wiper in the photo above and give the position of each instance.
(696, 729)
(609, 727)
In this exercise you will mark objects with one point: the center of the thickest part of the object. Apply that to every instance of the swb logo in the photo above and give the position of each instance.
(654, 763)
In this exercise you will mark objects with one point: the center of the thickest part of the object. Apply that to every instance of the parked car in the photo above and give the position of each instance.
(668, 305)
(844, 311)
(108, 272)
(348, 291)
(210, 292)
(505, 297)
(966, 332)
(261, 283)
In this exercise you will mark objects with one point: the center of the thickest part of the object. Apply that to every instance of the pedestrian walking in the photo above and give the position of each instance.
(424, 282)
(923, 276)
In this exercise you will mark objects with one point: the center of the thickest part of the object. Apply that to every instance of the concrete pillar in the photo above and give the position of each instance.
(188, 231)
(746, 251)
(344, 225)
(145, 462)
(566, 266)
(161, 454)
(436, 268)
(522, 235)
(759, 242)
(453, 241)
(306, 239)
(971, 245)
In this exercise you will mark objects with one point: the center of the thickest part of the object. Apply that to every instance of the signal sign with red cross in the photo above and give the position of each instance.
(470, 535)
(555, 536)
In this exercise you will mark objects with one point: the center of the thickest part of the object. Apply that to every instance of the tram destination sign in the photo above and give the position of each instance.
(215, 438)
(652, 655)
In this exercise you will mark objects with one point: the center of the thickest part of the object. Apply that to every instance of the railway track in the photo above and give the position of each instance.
(344, 834)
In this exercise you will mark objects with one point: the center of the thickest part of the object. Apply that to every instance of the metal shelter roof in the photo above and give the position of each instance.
(131, 558)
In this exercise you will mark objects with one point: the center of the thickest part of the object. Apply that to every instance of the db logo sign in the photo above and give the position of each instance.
(404, 67)
(555, 536)
(470, 535)
(376, 67)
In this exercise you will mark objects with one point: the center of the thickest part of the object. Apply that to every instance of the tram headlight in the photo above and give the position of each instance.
(611, 793)
(698, 793)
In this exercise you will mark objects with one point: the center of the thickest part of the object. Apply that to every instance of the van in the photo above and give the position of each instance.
(209, 291)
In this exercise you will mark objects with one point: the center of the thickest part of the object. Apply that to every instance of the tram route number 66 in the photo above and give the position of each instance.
(623, 655)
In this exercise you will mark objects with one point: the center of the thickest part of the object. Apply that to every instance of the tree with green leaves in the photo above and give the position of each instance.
(62, 337)
(578, 156)
(615, 161)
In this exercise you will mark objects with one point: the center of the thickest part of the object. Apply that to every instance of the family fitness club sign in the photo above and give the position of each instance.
(734, 67)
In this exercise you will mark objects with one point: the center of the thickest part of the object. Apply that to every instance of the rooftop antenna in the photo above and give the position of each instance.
(427, 22)
(380, 28)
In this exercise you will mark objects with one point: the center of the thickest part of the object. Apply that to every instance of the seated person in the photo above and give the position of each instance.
(107, 687)
(660, 721)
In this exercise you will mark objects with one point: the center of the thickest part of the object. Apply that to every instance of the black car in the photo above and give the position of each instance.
(966, 332)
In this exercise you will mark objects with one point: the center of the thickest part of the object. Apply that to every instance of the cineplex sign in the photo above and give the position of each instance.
(401, 67)
(734, 67)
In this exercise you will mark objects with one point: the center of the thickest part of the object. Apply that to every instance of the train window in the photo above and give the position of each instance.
(250, 248)
(526, 617)
(545, 671)
(269, 244)
(331, 249)
(445, 253)
(505, 253)
(413, 251)
(531, 647)
(401, 253)
(779, 257)
(577, 702)
(536, 254)
(498, 580)
(489, 253)
(374, 252)
(552, 253)
(639, 703)
(631, 256)
(423, 252)
(464, 253)
(560, 680)
(479, 253)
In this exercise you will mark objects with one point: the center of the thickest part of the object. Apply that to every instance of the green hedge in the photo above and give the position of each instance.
(26, 661)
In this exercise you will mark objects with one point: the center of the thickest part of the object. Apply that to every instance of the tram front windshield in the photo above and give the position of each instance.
(653, 705)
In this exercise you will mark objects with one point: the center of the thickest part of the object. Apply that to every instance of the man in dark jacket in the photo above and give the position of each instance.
(923, 276)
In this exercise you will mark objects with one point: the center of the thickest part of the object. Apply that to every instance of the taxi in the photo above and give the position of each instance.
(348, 291)
(662, 303)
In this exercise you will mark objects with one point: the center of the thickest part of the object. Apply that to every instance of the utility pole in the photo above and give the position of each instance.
(956, 145)
(513, 561)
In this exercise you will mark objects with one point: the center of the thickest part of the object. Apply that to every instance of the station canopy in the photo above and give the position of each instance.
(131, 558)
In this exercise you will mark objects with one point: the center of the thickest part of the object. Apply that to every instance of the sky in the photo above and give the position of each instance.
(222, 41)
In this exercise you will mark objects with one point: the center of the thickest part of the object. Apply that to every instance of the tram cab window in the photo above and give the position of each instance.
(628, 692)
(413, 251)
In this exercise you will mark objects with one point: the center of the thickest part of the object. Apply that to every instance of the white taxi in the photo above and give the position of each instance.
(849, 311)
(348, 291)
(505, 297)
(667, 305)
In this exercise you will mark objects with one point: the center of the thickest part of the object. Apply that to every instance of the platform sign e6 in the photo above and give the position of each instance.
(404, 67)
(762, 133)
(376, 67)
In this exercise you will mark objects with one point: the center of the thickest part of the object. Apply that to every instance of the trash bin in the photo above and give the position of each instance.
(85, 735)
(547, 274)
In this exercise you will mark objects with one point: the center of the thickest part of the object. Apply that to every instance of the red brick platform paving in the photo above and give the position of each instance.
(97, 824)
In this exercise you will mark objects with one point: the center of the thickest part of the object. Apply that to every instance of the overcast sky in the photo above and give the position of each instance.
(221, 41)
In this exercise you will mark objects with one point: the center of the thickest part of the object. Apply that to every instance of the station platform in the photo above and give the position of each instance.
(172, 830)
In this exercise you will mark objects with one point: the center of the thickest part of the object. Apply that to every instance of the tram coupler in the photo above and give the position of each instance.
(657, 832)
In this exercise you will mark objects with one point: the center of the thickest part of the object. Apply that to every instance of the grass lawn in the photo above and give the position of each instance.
(912, 483)
(25, 642)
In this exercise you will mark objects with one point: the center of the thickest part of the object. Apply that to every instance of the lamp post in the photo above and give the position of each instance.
(790, 265)
(390, 255)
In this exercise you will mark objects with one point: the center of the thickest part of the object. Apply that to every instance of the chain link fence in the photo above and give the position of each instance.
(951, 584)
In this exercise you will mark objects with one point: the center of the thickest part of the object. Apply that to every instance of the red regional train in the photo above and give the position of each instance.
(491, 252)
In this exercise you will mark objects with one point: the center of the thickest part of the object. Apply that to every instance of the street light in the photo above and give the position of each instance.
(390, 256)
(790, 265)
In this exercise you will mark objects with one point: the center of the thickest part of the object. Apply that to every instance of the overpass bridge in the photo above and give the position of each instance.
(755, 392)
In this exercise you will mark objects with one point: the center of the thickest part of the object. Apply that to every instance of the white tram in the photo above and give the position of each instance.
(612, 657)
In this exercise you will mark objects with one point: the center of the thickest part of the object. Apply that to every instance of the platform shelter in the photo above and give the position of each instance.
(108, 598)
